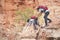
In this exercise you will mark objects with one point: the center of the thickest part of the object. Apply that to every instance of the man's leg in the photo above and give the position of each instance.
(49, 20)
(45, 18)
(47, 13)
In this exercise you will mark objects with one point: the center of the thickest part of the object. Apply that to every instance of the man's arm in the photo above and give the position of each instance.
(39, 14)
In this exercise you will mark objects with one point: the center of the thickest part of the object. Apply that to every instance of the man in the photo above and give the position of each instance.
(44, 9)
(33, 20)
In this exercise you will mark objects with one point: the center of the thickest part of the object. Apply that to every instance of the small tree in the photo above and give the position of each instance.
(24, 15)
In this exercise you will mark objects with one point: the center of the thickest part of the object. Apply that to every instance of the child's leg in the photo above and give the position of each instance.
(34, 26)
(38, 24)
(29, 23)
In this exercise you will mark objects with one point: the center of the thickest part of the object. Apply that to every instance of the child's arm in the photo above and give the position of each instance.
(28, 20)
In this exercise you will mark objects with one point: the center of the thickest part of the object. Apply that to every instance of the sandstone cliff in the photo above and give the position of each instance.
(8, 9)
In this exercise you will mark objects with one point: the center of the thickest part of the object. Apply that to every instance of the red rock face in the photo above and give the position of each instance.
(9, 7)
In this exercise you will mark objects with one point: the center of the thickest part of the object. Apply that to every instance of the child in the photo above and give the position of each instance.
(33, 20)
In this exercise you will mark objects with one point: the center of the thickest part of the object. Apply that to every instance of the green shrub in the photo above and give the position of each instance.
(24, 15)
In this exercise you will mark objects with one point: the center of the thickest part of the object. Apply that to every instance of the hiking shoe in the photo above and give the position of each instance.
(50, 21)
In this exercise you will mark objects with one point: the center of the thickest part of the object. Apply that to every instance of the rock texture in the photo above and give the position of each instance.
(9, 30)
